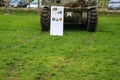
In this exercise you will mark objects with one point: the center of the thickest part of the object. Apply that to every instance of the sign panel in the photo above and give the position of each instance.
(57, 19)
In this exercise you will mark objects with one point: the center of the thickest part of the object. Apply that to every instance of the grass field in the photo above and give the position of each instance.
(28, 54)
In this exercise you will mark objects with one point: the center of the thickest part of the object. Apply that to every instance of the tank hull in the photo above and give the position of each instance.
(81, 12)
(77, 15)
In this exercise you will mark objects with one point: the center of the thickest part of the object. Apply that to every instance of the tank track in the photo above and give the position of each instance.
(45, 19)
(92, 20)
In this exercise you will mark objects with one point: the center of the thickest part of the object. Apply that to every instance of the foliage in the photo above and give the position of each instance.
(28, 54)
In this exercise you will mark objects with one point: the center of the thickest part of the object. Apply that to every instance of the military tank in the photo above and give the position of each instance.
(81, 12)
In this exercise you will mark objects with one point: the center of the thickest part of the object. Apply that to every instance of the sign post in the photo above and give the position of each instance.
(57, 19)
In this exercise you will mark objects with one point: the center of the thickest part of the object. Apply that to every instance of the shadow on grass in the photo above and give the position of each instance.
(74, 27)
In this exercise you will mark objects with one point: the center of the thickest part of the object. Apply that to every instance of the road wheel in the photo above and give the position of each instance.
(45, 19)
(92, 20)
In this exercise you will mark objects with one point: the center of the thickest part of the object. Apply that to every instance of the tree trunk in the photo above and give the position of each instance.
(105, 4)
(38, 7)
(7, 7)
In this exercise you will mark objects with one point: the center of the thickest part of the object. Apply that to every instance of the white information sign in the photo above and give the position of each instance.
(56, 26)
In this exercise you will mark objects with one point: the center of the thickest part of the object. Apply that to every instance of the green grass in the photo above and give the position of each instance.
(28, 54)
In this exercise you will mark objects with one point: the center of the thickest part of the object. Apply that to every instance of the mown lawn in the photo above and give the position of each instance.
(28, 54)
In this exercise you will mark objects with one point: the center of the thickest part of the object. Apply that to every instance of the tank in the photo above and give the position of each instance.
(82, 12)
